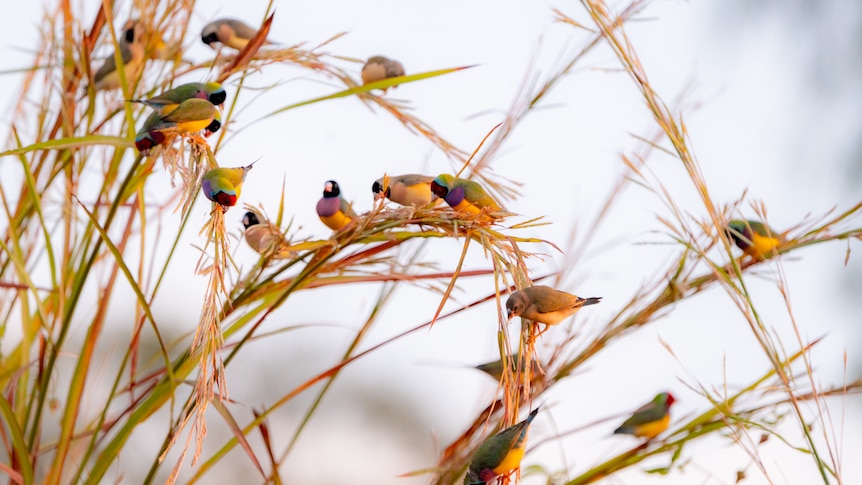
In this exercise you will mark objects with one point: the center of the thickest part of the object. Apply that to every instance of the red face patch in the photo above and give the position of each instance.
(225, 199)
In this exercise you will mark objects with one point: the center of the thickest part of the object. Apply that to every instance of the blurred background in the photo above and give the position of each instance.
(770, 94)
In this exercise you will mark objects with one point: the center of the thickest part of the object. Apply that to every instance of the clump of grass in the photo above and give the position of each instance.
(47, 268)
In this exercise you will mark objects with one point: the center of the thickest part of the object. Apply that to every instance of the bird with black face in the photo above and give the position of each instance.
(332, 209)
(231, 32)
(465, 195)
(167, 101)
(188, 118)
(755, 238)
(265, 237)
(131, 44)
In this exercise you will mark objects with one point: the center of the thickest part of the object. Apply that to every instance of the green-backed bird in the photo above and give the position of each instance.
(131, 44)
(230, 32)
(378, 68)
(170, 100)
(265, 237)
(410, 189)
(463, 195)
(499, 454)
(515, 363)
(191, 116)
(223, 185)
(332, 209)
(544, 304)
(649, 420)
(755, 238)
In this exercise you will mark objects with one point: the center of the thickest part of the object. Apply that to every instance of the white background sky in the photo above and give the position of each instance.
(772, 106)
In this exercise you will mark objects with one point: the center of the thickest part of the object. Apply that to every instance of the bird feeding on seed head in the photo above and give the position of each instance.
(755, 238)
(544, 304)
(332, 209)
(189, 117)
(409, 189)
(223, 185)
(230, 32)
(500, 454)
(464, 195)
(649, 420)
(378, 68)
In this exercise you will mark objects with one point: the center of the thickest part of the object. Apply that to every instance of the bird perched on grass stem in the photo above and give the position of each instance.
(265, 238)
(378, 68)
(223, 185)
(230, 32)
(131, 44)
(649, 420)
(410, 189)
(500, 454)
(515, 364)
(464, 195)
(170, 100)
(755, 238)
(332, 209)
(189, 117)
(544, 304)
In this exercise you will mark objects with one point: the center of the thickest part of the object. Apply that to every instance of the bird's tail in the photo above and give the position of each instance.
(591, 300)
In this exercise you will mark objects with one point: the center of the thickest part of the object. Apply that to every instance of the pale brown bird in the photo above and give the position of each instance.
(230, 32)
(378, 68)
(265, 238)
(544, 304)
(409, 189)
(131, 43)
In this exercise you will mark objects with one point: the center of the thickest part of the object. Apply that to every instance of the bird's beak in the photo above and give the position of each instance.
(378, 196)
(509, 316)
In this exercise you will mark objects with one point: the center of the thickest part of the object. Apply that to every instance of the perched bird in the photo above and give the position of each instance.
(755, 238)
(500, 454)
(463, 195)
(230, 32)
(265, 238)
(190, 116)
(223, 185)
(332, 209)
(131, 44)
(649, 420)
(515, 363)
(378, 68)
(544, 304)
(170, 100)
(410, 189)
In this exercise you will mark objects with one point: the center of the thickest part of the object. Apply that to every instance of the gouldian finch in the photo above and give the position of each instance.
(755, 238)
(515, 363)
(649, 420)
(378, 68)
(463, 195)
(170, 100)
(500, 454)
(192, 115)
(264, 237)
(410, 189)
(230, 32)
(131, 44)
(332, 209)
(544, 304)
(223, 185)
